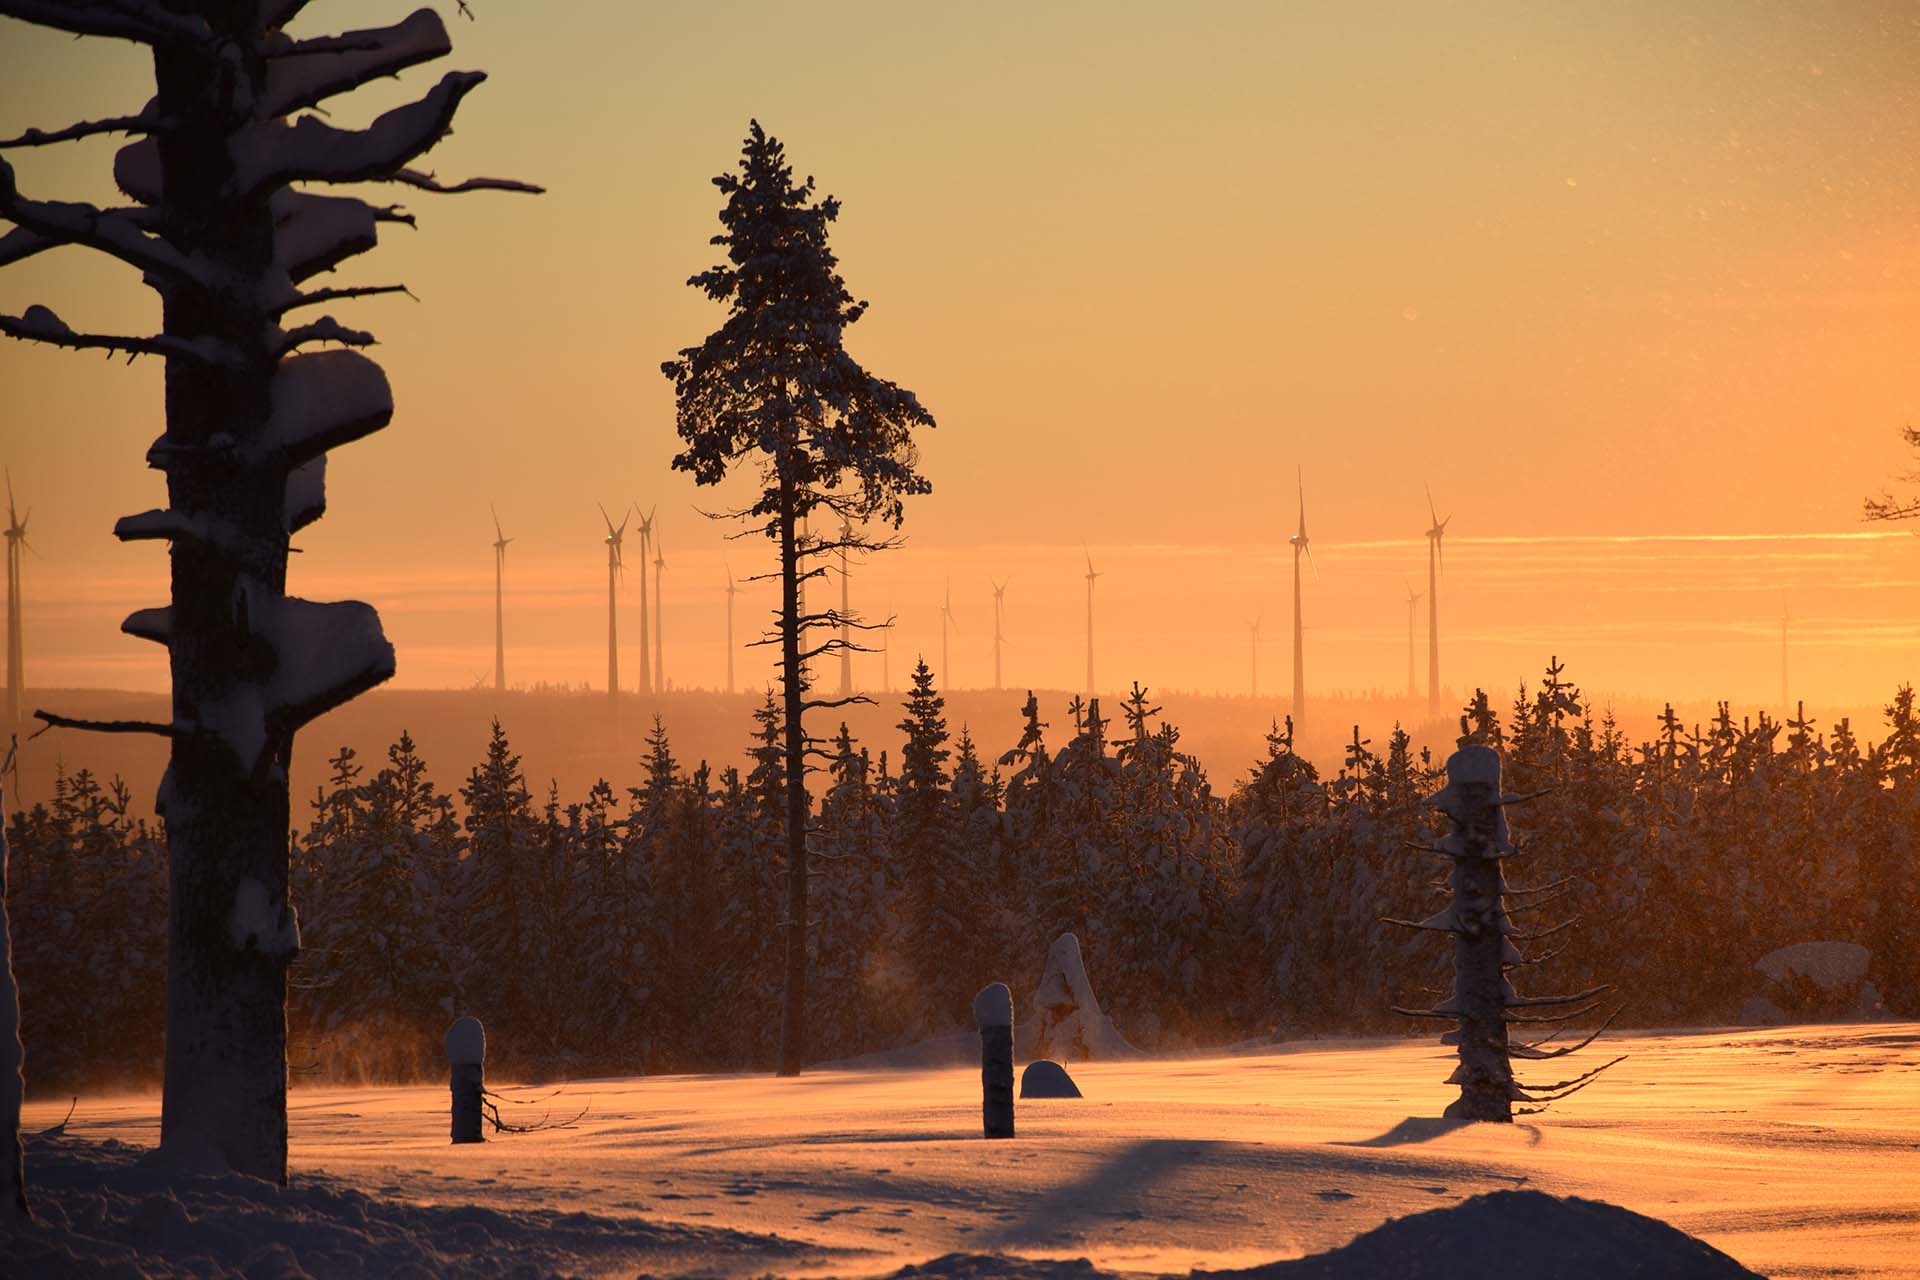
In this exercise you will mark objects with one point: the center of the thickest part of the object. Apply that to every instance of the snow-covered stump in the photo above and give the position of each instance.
(1484, 1005)
(13, 1053)
(466, 1058)
(993, 1011)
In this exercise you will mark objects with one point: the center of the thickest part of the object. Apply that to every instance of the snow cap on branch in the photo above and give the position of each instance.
(322, 400)
(272, 153)
(304, 73)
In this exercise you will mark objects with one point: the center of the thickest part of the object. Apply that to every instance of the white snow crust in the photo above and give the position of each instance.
(307, 72)
(466, 1041)
(324, 399)
(1068, 1022)
(993, 1007)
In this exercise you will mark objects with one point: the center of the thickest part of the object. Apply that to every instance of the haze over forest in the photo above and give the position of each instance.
(1650, 348)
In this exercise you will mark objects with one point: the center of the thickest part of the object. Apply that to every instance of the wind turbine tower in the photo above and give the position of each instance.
(1300, 548)
(659, 612)
(1436, 560)
(16, 533)
(846, 615)
(999, 634)
(646, 540)
(500, 541)
(615, 567)
(1413, 685)
(946, 623)
(1091, 575)
(731, 592)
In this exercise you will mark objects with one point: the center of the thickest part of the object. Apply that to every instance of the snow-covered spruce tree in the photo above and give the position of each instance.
(774, 388)
(1484, 1003)
(223, 228)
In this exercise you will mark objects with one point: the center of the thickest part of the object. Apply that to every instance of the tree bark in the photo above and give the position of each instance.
(793, 1015)
(13, 1054)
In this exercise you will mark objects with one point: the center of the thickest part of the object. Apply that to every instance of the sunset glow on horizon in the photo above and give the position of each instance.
(1633, 290)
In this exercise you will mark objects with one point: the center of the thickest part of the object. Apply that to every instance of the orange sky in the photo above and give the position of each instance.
(1637, 271)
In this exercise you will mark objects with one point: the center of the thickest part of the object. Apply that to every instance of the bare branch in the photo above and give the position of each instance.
(109, 231)
(325, 329)
(426, 182)
(136, 20)
(318, 296)
(141, 123)
(99, 726)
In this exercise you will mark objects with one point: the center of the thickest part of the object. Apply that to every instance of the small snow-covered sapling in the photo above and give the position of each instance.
(993, 1011)
(466, 1052)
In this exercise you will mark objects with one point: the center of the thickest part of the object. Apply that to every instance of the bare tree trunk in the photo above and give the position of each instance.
(13, 1053)
(794, 1007)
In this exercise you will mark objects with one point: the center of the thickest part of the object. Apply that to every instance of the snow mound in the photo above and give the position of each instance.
(1514, 1232)
(1831, 966)
(1067, 1021)
(1046, 1078)
(104, 1213)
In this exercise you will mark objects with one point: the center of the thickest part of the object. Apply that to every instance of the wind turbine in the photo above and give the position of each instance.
(646, 539)
(659, 612)
(1300, 548)
(999, 636)
(1413, 598)
(616, 566)
(16, 534)
(846, 624)
(1091, 575)
(1436, 560)
(1253, 627)
(946, 622)
(731, 592)
(500, 541)
(886, 650)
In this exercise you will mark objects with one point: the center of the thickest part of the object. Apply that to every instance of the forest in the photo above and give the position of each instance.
(639, 928)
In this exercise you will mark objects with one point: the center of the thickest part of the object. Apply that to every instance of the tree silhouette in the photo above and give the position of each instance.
(223, 228)
(1888, 507)
(774, 388)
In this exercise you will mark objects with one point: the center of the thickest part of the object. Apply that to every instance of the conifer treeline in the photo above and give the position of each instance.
(641, 931)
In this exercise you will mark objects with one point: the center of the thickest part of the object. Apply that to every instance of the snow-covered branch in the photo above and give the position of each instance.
(271, 152)
(137, 20)
(317, 233)
(303, 73)
(110, 232)
(325, 329)
(40, 324)
(150, 624)
(324, 399)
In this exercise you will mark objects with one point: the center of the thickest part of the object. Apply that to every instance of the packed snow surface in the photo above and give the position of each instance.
(1796, 1151)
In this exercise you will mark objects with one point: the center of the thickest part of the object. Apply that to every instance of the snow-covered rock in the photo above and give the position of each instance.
(1045, 1078)
(1067, 1020)
(1831, 966)
(1758, 1011)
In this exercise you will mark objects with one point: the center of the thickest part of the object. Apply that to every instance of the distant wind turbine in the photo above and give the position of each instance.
(846, 615)
(1300, 548)
(999, 634)
(17, 546)
(1091, 575)
(886, 648)
(646, 540)
(731, 592)
(500, 541)
(616, 566)
(659, 613)
(1413, 598)
(946, 623)
(1436, 560)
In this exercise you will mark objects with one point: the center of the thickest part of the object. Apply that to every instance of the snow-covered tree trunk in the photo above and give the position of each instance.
(13, 1053)
(993, 1014)
(1484, 1004)
(223, 229)
(793, 1009)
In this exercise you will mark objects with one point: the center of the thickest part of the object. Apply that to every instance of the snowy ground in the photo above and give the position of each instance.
(1795, 1150)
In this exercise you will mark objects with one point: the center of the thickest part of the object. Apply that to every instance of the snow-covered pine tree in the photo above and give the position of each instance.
(499, 910)
(774, 388)
(937, 916)
(1484, 1003)
(222, 227)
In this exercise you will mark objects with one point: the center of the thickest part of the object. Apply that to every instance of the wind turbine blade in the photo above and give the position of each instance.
(1308, 548)
(606, 517)
(496, 523)
(1431, 509)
